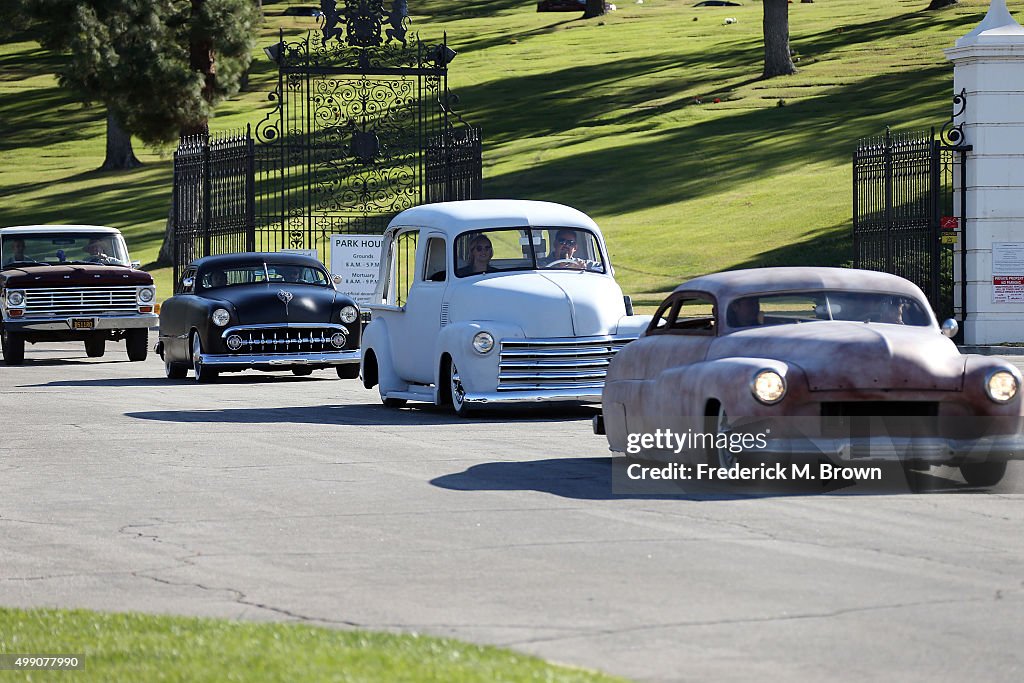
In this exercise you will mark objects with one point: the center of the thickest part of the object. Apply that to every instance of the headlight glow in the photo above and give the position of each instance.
(349, 314)
(15, 298)
(483, 342)
(768, 386)
(146, 294)
(1001, 386)
(221, 317)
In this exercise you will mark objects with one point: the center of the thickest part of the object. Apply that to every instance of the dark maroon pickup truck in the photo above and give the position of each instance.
(72, 282)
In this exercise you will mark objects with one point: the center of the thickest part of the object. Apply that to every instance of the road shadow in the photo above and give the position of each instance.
(360, 414)
(605, 479)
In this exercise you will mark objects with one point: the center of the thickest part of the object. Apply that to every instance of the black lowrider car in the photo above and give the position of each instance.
(266, 311)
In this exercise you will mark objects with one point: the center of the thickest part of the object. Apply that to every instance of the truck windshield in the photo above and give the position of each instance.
(507, 249)
(53, 248)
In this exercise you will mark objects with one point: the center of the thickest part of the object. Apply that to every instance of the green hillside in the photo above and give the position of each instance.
(651, 119)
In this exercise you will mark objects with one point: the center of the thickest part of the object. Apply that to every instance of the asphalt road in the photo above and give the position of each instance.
(270, 497)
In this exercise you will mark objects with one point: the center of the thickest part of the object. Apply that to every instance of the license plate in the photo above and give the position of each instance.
(82, 323)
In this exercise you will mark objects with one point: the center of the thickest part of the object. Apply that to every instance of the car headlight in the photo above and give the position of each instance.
(221, 317)
(768, 387)
(15, 298)
(146, 295)
(483, 342)
(1001, 386)
(349, 314)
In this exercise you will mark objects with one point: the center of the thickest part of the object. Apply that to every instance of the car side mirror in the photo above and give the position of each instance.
(337, 279)
(950, 327)
(136, 265)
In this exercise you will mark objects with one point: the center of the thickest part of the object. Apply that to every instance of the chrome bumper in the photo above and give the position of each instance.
(280, 359)
(100, 322)
(581, 395)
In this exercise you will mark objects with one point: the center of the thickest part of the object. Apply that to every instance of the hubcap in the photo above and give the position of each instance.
(458, 393)
(197, 351)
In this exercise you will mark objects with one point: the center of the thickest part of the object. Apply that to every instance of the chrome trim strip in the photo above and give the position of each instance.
(294, 326)
(580, 394)
(316, 358)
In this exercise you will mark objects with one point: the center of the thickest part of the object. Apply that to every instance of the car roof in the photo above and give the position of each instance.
(36, 229)
(277, 257)
(734, 283)
(454, 218)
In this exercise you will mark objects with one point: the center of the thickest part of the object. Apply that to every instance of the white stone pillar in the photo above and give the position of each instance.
(989, 67)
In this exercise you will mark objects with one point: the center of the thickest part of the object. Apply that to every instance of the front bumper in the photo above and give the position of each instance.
(579, 394)
(239, 361)
(99, 322)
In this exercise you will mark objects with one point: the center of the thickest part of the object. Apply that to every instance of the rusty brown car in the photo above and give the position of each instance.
(844, 364)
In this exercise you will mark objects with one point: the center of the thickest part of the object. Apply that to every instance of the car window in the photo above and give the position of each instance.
(403, 265)
(805, 306)
(510, 249)
(102, 248)
(690, 314)
(434, 267)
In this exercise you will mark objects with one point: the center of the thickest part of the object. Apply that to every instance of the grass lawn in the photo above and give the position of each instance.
(616, 116)
(137, 647)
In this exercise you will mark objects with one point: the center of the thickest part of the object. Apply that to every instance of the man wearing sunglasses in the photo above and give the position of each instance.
(563, 253)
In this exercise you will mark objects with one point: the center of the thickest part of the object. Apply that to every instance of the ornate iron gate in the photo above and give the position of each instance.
(908, 199)
(362, 128)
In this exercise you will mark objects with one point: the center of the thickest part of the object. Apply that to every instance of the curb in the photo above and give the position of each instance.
(993, 350)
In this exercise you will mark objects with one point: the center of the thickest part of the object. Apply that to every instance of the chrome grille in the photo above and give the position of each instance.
(556, 363)
(284, 340)
(74, 301)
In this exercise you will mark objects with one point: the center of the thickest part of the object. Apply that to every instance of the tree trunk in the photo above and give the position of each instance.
(595, 8)
(120, 156)
(166, 255)
(777, 61)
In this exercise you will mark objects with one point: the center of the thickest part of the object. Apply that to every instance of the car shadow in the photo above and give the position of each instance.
(356, 414)
(605, 478)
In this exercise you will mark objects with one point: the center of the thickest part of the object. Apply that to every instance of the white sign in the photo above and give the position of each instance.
(1007, 272)
(356, 259)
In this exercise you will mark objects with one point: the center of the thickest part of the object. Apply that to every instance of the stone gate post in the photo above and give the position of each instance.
(989, 67)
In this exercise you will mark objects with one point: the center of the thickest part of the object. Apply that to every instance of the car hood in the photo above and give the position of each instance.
(73, 275)
(557, 304)
(264, 303)
(837, 355)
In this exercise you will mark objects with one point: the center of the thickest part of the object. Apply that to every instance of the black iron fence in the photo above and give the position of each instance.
(213, 200)
(454, 166)
(908, 211)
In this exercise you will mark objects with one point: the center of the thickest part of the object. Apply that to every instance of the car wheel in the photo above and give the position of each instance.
(204, 373)
(718, 423)
(393, 402)
(350, 371)
(302, 372)
(984, 473)
(135, 342)
(457, 392)
(95, 345)
(13, 348)
(175, 370)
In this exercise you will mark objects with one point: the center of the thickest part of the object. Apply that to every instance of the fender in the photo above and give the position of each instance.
(479, 371)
